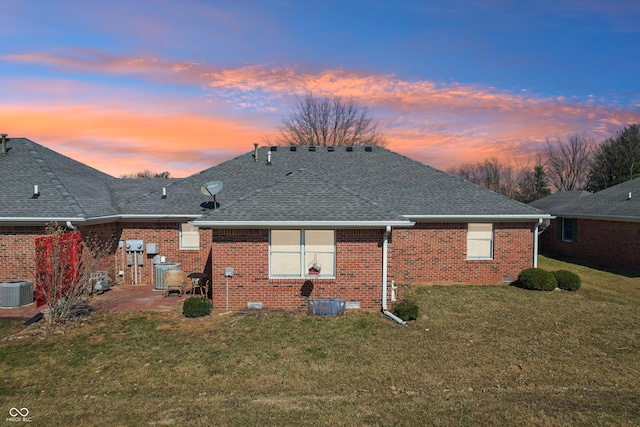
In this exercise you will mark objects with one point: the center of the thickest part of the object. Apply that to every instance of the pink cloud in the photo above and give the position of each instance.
(440, 124)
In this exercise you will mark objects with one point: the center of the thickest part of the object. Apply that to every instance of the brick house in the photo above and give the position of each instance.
(600, 229)
(293, 222)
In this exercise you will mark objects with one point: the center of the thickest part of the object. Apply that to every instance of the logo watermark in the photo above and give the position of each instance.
(19, 415)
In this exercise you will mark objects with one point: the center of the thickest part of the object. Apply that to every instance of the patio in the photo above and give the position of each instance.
(121, 297)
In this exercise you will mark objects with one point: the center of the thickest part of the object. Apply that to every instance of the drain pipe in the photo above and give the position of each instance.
(385, 242)
(536, 233)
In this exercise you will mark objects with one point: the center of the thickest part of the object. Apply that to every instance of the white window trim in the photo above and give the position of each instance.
(303, 266)
(490, 240)
(186, 235)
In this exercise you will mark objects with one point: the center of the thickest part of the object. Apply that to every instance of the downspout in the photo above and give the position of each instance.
(536, 233)
(385, 251)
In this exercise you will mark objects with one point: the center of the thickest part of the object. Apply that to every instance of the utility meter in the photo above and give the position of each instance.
(228, 272)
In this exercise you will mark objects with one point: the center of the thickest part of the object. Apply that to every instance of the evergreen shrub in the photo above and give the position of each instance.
(196, 307)
(536, 279)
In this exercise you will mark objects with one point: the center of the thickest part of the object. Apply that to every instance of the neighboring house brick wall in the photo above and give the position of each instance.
(167, 236)
(17, 252)
(437, 253)
(613, 244)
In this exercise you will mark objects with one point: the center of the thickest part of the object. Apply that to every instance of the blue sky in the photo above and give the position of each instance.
(180, 86)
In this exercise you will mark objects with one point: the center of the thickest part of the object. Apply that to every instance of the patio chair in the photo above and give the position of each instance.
(174, 280)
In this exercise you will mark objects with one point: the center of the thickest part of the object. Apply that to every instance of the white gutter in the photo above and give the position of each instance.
(35, 220)
(385, 242)
(289, 224)
(506, 217)
(625, 218)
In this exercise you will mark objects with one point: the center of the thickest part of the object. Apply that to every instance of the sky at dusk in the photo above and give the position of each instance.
(180, 86)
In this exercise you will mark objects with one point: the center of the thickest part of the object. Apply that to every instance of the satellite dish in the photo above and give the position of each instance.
(211, 188)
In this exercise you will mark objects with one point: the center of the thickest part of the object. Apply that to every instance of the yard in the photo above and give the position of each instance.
(478, 355)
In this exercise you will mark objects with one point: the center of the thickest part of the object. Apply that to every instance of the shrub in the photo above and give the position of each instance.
(196, 307)
(537, 279)
(406, 310)
(567, 280)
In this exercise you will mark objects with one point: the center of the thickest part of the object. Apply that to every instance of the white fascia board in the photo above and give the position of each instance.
(599, 217)
(13, 220)
(301, 224)
(91, 220)
(475, 218)
(159, 216)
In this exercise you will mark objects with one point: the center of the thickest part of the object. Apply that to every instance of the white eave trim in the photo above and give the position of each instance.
(91, 220)
(289, 224)
(599, 217)
(39, 220)
(475, 218)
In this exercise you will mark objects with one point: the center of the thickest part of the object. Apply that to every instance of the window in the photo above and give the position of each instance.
(480, 241)
(293, 252)
(567, 229)
(189, 237)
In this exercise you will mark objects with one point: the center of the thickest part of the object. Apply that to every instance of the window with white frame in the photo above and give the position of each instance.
(302, 253)
(189, 236)
(480, 241)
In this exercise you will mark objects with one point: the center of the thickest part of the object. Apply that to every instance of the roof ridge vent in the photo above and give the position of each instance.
(331, 148)
(368, 149)
(350, 148)
(312, 148)
(293, 148)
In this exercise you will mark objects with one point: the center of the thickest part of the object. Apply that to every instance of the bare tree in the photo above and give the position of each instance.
(147, 174)
(489, 174)
(65, 262)
(567, 163)
(323, 120)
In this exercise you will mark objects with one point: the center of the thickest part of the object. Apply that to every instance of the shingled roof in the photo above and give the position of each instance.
(557, 201)
(67, 190)
(620, 202)
(300, 185)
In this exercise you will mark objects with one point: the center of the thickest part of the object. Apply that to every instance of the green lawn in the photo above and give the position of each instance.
(478, 355)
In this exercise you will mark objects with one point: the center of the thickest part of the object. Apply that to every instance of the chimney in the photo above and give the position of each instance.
(255, 151)
(4, 143)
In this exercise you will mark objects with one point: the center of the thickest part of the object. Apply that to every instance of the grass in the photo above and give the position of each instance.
(477, 355)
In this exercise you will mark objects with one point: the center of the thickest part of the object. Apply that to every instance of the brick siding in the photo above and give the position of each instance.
(608, 244)
(425, 254)
(436, 253)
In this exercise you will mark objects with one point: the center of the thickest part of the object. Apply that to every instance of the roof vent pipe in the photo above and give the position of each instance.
(4, 143)
(255, 151)
(269, 157)
(629, 198)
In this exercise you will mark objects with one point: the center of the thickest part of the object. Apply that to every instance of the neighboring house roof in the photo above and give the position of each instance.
(347, 185)
(557, 200)
(620, 202)
(68, 190)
